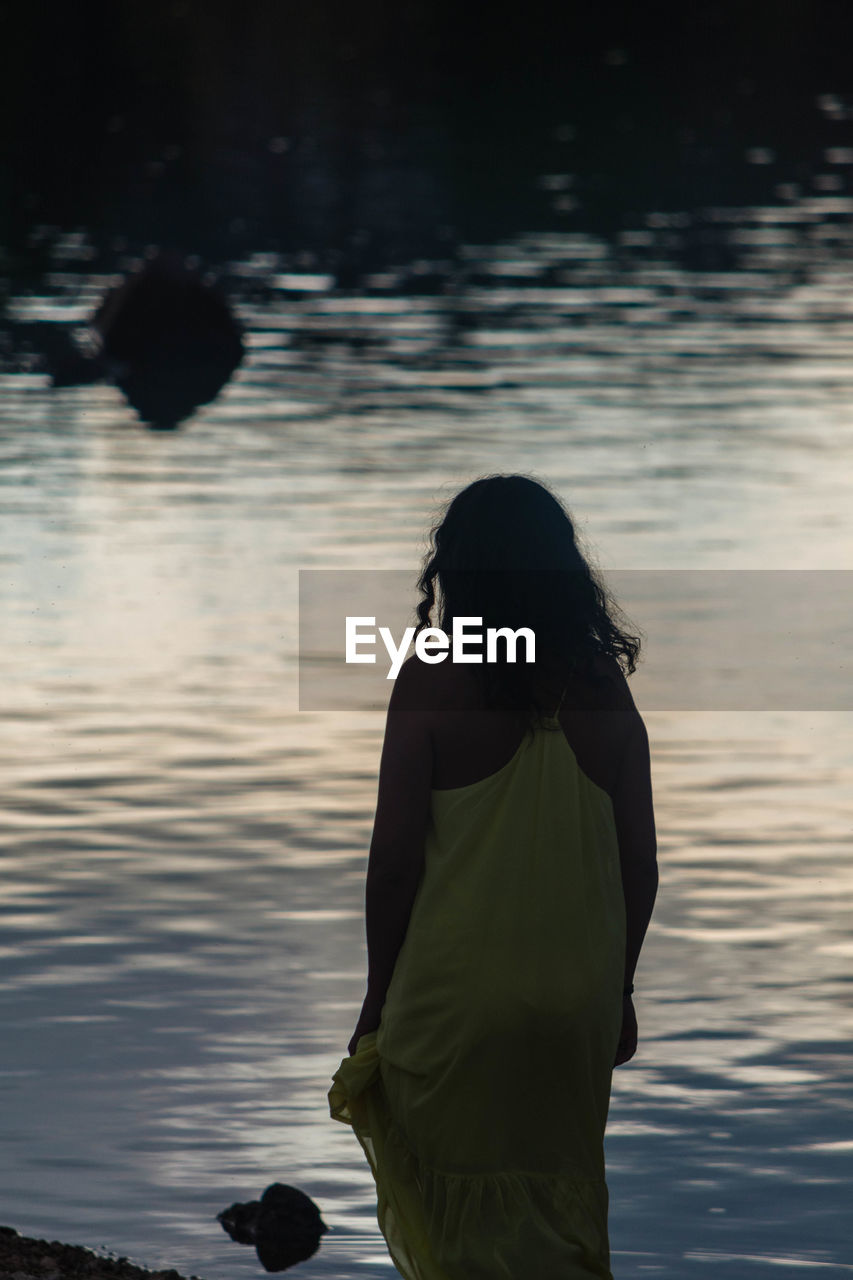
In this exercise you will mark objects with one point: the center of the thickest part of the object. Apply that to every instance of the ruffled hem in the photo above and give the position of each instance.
(453, 1226)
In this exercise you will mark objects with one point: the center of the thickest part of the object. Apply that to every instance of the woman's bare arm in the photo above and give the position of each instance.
(633, 811)
(396, 855)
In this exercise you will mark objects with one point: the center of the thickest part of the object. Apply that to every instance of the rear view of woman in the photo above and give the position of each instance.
(511, 878)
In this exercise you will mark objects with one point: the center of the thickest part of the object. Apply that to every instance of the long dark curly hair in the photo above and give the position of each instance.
(506, 551)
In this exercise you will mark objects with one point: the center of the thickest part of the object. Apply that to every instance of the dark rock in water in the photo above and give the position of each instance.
(284, 1225)
(288, 1229)
(67, 364)
(240, 1221)
(170, 341)
(165, 337)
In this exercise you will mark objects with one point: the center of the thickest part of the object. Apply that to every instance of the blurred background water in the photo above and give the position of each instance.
(184, 850)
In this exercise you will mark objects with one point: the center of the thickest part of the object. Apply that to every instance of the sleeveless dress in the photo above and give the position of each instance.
(481, 1100)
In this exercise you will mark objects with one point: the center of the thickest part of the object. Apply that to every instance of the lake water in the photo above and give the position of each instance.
(183, 850)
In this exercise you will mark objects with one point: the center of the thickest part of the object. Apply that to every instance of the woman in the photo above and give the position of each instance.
(511, 878)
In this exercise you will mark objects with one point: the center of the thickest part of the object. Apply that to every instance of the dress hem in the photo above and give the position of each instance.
(430, 1218)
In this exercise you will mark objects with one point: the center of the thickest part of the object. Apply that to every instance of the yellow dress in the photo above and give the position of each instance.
(481, 1100)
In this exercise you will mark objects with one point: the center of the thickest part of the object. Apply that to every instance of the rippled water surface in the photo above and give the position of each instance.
(183, 850)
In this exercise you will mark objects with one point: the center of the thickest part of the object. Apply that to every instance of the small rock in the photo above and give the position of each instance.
(241, 1220)
(289, 1227)
(284, 1225)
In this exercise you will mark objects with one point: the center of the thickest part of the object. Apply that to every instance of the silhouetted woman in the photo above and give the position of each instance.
(511, 878)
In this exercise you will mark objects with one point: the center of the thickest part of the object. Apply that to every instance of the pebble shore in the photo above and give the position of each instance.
(22, 1258)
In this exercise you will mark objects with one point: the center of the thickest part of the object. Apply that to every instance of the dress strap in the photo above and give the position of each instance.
(559, 704)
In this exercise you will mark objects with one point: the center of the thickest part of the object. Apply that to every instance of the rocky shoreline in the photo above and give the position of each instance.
(22, 1258)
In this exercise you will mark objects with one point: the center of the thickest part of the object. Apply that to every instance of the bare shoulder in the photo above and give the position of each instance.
(612, 692)
(449, 686)
(631, 726)
(430, 688)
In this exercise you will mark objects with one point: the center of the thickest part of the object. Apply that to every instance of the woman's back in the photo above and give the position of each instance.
(469, 742)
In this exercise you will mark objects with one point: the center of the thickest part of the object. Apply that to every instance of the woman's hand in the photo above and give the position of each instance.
(627, 1046)
(368, 1020)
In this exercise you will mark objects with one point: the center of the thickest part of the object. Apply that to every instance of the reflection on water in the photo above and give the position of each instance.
(184, 852)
